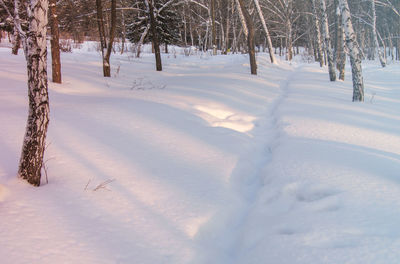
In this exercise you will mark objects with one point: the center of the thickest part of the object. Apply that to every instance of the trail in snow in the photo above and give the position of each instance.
(223, 236)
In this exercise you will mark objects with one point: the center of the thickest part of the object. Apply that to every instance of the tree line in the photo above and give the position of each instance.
(326, 30)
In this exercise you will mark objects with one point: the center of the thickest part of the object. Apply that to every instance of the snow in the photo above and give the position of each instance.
(203, 163)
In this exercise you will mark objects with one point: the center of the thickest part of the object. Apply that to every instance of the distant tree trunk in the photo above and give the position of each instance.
(106, 48)
(113, 26)
(327, 40)
(340, 42)
(375, 35)
(123, 31)
(154, 35)
(318, 35)
(289, 30)
(36, 55)
(213, 28)
(354, 52)
(16, 41)
(266, 31)
(241, 16)
(250, 37)
(55, 43)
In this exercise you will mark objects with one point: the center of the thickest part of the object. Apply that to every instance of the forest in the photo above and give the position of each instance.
(199, 131)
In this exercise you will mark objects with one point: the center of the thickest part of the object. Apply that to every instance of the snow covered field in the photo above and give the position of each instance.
(203, 163)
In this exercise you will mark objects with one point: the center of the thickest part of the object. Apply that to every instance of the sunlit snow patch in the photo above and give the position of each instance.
(3, 193)
(218, 116)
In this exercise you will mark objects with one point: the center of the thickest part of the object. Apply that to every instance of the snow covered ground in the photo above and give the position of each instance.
(203, 163)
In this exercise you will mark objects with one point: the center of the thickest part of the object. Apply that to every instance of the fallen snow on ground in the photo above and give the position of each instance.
(203, 163)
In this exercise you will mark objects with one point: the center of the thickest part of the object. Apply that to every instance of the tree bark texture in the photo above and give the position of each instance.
(250, 37)
(55, 43)
(38, 119)
(354, 52)
(327, 41)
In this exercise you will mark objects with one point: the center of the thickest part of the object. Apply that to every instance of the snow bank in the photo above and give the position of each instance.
(203, 163)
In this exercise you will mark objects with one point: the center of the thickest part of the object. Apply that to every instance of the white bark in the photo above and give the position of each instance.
(327, 41)
(242, 20)
(354, 52)
(375, 35)
(36, 54)
(266, 31)
(318, 35)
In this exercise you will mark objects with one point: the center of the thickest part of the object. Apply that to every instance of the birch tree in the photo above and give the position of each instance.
(375, 35)
(327, 41)
(340, 55)
(266, 31)
(317, 34)
(35, 48)
(354, 52)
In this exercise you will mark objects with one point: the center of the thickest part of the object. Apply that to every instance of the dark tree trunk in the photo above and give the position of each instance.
(106, 64)
(55, 43)
(16, 43)
(106, 48)
(250, 38)
(17, 38)
(154, 37)
(38, 119)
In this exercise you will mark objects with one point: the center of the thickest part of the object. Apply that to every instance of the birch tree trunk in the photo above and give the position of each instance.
(318, 35)
(213, 28)
(327, 40)
(241, 16)
(289, 30)
(38, 119)
(354, 52)
(55, 43)
(340, 42)
(16, 40)
(375, 35)
(266, 31)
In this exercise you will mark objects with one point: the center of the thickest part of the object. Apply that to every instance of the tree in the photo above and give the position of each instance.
(354, 52)
(35, 48)
(327, 41)
(106, 47)
(166, 20)
(250, 37)
(318, 34)
(340, 55)
(375, 35)
(55, 43)
(153, 27)
(266, 31)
